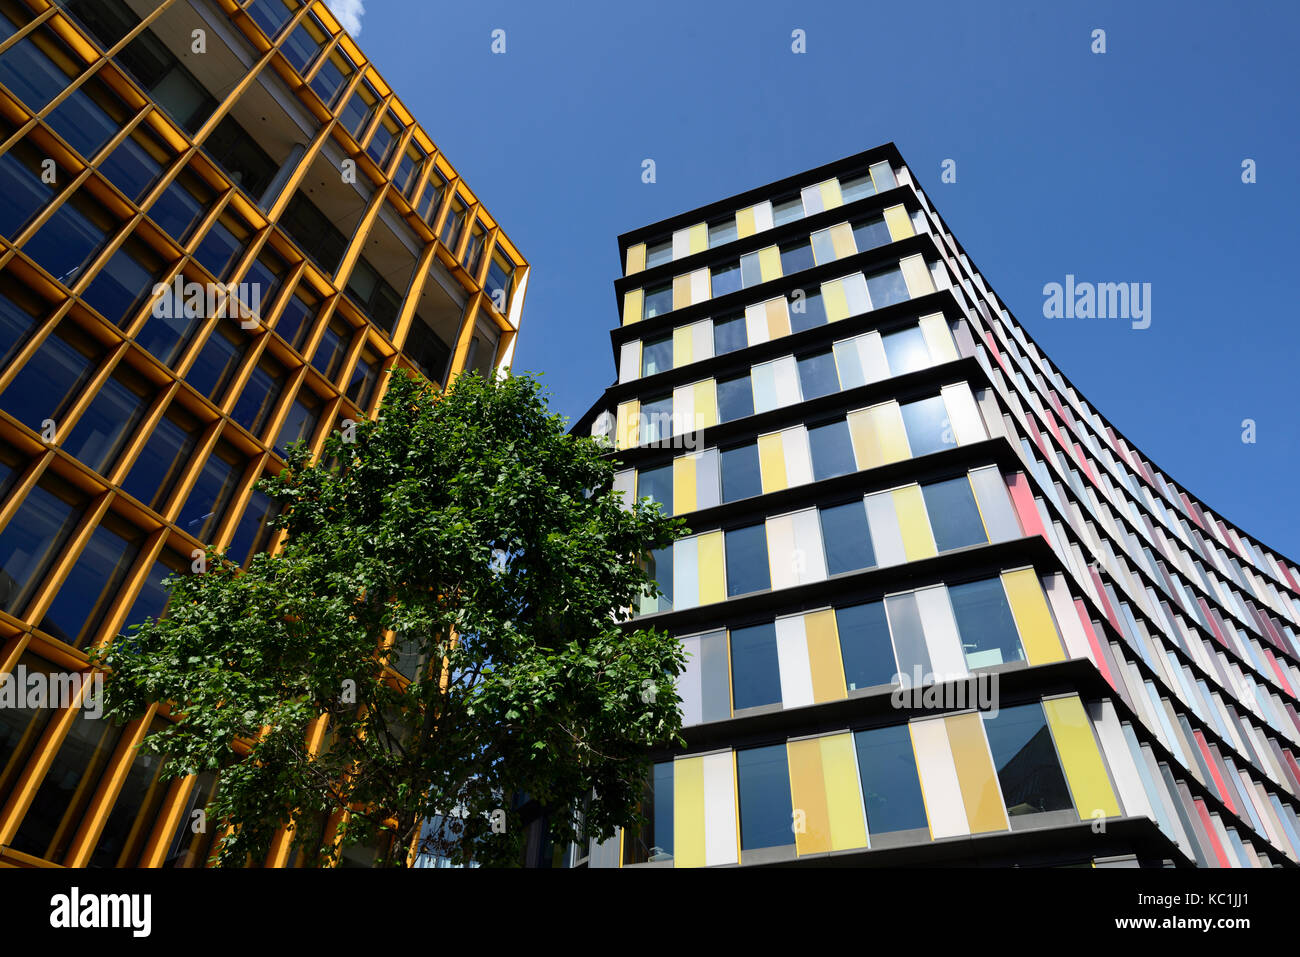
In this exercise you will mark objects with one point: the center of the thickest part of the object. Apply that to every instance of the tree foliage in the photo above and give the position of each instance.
(483, 541)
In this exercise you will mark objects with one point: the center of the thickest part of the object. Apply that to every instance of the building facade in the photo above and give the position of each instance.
(219, 228)
(937, 609)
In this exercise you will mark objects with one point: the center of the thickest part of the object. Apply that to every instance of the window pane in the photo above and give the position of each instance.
(124, 282)
(865, 647)
(787, 211)
(722, 232)
(891, 789)
(1029, 770)
(658, 300)
(847, 537)
(887, 288)
(89, 117)
(954, 516)
(137, 162)
(113, 414)
(51, 377)
(735, 398)
(747, 569)
(657, 356)
(817, 375)
(726, 279)
(660, 569)
(755, 672)
(763, 785)
(832, 450)
(32, 540)
(217, 361)
(741, 477)
(853, 190)
(870, 233)
(906, 350)
(260, 393)
(928, 429)
(729, 334)
(796, 257)
(659, 254)
(657, 419)
(69, 238)
(211, 493)
(164, 455)
(300, 421)
(252, 534)
(657, 484)
(988, 631)
(807, 311)
(23, 190)
(93, 584)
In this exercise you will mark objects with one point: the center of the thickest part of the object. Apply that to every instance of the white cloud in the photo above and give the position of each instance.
(349, 13)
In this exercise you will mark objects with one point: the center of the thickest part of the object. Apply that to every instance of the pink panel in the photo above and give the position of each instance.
(1023, 499)
(1099, 657)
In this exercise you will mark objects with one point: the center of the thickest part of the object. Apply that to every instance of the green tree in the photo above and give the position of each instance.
(483, 541)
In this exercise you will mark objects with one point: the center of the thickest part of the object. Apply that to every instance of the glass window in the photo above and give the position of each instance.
(154, 595)
(365, 376)
(656, 254)
(763, 786)
(726, 279)
(34, 537)
(431, 197)
(852, 190)
(741, 477)
(408, 169)
(314, 233)
(656, 419)
(807, 311)
(735, 398)
(171, 86)
(787, 210)
(164, 457)
(796, 257)
(906, 350)
(262, 281)
(472, 256)
(52, 377)
(295, 318)
(723, 231)
(500, 281)
(658, 300)
(305, 43)
(657, 355)
(755, 671)
(870, 233)
(72, 236)
(252, 534)
(660, 569)
(1029, 770)
(300, 421)
(988, 631)
(120, 843)
(137, 162)
(887, 288)
(260, 393)
(954, 516)
(94, 582)
(272, 15)
(832, 450)
(238, 153)
(122, 285)
(425, 348)
(729, 334)
(170, 327)
(23, 189)
(865, 648)
(111, 417)
(382, 141)
(224, 243)
(39, 67)
(211, 493)
(928, 429)
(817, 375)
(20, 308)
(89, 117)
(746, 560)
(891, 789)
(218, 361)
(330, 78)
(847, 537)
(181, 205)
(381, 303)
(657, 484)
(356, 114)
(333, 348)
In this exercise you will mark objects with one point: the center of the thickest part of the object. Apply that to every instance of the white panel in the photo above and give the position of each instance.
(690, 686)
(871, 353)
(886, 536)
(1067, 617)
(686, 573)
(792, 657)
(787, 381)
(1122, 769)
(700, 290)
(702, 340)
(625, 482)
(684, 409)
(629, 362)
(720, 809)
(781, 552)
(962, 414)
(947, 660)
(798, 457)
(809, 558)
(855, 291)
(682, 243)
(812, 200)
(756, 323)
(762, 379)
(763, 216)
(939, 782)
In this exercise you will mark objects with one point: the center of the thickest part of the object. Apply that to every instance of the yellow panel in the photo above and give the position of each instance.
(831, 195)
(698, 237)
(681, 291)
(878, 436)
(745, 223)
(835, 301)
(628, 424)
(1084, 768)
(633, 305)
(712, 581)
(706, 405)
(824, 656)
(842, 240)
(771, 462)
(917, 276)
(769, 263)
(688, 812)
(635, 259)
(938, 338)
(1037, 629)
(843, 793)
(808, 797)
(900, 226)
(979, 782)
(778, 318)
(918, 541)
(684, 479)
(683, 352)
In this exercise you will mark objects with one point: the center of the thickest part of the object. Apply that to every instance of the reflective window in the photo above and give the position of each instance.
(860, 187)
(927, 425)
(300, 421)
(870, 233)
(181, 205)
(657, 254)
(500, 281)
(170, 85)
(656, 419)
(314, 233)
(818, 376)
(89, 117)
(747, 569)
(164, 457)
(259, 394)
(832, 450)
(137, 162)
(34, 537)
(295, 318)
(252, 534)
(245, 162)
(120, 843)
(333, 348)
(807, 311)
(381, 303)
(865, 648)
(723, 231)
(988, 631)
(729, 334)
(741, 477)
(891, 789)
(887, 288)
(52, 377)
(24, 190)
(726, 279)
(211, 493)
(847, 538)
(78, 229)
(365, 376)
(359, 109)
(425, 348)
(657, 355)
(787, 210)
(660, 569)
(304, 43)
(20, 309)
(954, 516)
(122, 285)
(94, 582)
(658, 300)
(272, 15)
(219, 360)
(735, 398)
(906, 350)
(110, 419)
(1029, 770)
(171, 326)
(763, 788)
(657, 484)
(796, 257)
(332, 76)
(451, 226)
(33, 68)
(755, 671)
(224, 243)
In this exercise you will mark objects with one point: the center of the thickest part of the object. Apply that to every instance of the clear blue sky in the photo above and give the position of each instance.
(1124, 166)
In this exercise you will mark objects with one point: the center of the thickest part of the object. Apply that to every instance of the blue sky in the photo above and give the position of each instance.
(1115, 167)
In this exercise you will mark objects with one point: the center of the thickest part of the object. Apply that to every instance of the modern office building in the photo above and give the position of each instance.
(883, 476)
(219, 227)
